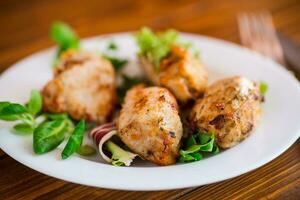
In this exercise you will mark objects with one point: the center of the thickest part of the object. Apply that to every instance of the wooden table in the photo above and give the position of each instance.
(24, 30)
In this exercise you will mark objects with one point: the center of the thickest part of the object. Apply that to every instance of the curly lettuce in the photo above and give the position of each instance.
(155, 46)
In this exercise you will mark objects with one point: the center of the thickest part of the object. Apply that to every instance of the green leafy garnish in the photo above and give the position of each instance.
(112, 46)
(34, 105)
(215, 149)
(155, 46)
(120, 157)
(48, 129)
(62, 116)
(86, 150)
(57, 116)
(190, 157)
(263, 88)
(12, 111)
(3, 104)
(127, 83)
(118, 63)
(16, 112)
(204, 137)
(23, 129)
(196, 144)
(65, 38)
(48, 135)
(74, 141)
(26, 114)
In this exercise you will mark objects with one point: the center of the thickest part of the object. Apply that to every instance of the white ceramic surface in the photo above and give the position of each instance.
(279, 126)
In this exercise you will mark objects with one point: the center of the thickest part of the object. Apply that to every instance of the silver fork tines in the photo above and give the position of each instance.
(257, 32)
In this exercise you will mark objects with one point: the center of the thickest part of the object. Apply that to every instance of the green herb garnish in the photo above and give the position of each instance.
(120, 157)
(62, 116)
(86, 150)
(127, 83)
(23, 129)
(155, 46)
(118, 63)
(112, 46)
(196, 145)
(48, 129)
(13, 111)
(17, 112)
(74, 141)
(34, 105)
(48, 135)
(263, 87)
(25, 114)
(65, 38)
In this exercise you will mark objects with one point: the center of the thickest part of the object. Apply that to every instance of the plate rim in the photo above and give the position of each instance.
(238, 172)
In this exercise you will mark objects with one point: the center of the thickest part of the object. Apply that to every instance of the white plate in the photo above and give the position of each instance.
(278, 129)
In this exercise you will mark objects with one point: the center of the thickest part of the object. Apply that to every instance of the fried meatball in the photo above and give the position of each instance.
(149, 124)
(180, 72)
(230, 109)
(83, 86)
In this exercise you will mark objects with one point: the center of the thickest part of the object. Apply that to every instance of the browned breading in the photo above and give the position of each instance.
(230, 109)
(180, 72)
(149, 124)
(83, 86)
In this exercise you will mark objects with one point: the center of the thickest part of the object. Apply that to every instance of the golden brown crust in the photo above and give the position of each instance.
(149, 124)
(230, 109)
(84, 89)
(180, 72)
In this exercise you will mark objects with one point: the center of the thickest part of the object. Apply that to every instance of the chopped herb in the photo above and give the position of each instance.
(263, 87)
(112, 46)
(117, 63)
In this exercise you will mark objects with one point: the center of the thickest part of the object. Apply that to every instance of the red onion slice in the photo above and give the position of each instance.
(99, 132)
(102, 141)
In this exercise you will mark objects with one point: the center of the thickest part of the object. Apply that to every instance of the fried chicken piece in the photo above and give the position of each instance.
(83, 86)
(180, 72)
(230, 109)
(149, 124)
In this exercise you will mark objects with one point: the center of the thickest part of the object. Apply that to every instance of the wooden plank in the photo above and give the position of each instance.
(270, 181)
(18, 181)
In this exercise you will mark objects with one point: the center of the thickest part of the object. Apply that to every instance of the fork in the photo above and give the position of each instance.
(258, 33)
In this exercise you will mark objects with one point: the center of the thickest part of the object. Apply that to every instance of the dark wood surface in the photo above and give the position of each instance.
(24, 30)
